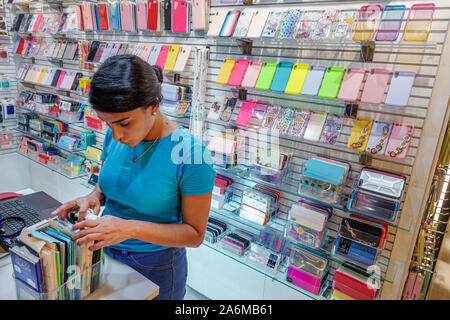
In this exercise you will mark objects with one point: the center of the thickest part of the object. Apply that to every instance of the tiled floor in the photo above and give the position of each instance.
(191, 294)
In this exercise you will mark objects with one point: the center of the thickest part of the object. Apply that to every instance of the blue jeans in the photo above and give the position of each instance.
(166, 268)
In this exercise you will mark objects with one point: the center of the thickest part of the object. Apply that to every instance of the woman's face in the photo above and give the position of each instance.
(130, 127)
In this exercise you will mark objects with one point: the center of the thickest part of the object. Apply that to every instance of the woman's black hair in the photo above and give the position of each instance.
(124, 83)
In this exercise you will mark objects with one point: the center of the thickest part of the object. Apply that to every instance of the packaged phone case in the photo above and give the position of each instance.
(284, 120)
(225, 71)
(299, 123)
(266, 75)
(375, 86)
(400, 88)
(331, 82)
(229, 23)
(238, 72)
(313, 80)
(217, 107)
(252, 74)
(228, 110)
(297, 78)
(381, 183)
(271, 117)
(258, 114)
(273, 24)
(281, 76)
(324, 23)
(331, 129)
(401, 135)
(360, 134)
(180, 16)
(379, 136)
(289, 24)
(419, 21)
(367, 22)
(243, 23)
(257, 24)
(217, 20)
(351, 84)
(315, 125)
(390, 22)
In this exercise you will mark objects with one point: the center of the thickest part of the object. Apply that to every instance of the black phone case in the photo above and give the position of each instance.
(55, 78)
(93, 51)
(76, 82)
(18, 21)
(218, 222)
(167, 14)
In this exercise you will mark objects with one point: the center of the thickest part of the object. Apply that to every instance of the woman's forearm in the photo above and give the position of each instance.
(168, 235)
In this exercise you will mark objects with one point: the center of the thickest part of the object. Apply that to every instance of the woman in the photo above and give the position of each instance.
(156, 180)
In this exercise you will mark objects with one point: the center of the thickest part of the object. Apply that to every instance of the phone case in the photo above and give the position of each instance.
(114, 15)
(51, 77)
(199, 14)
(351, 84)
(61, 78)
(273, 24)
(153, 15)
(57, 47)
(379, 136)
(245, 113)
(182, 58)
(344, 24)
(289, 24)
(401, 135)
(37, 23)
(229, 23)
(367, 22)
(99, 53)
(258, 23)
(41, 75)
(106, 52)
(266, 75)
(360, 134)
(225, 71)
(64, 81)
(331, 82)
(331, 129)
(93, 50)
(243, 23)
(154, 54)
(46, 76)
(217, 21)
(252, 74)
(258, 114)
(162, 57)
(103, 17)
(297, 78)
(145, 53)
(390, 22)
(419, 21)
(167, 12)
(230, 104)
(238, 72)
(180, 18)
(141, 15)
(313, 80)
(324, 23)
(62, 49)
(299, 123)
(172, 57)
(95, 16)
(400, 88)
(281, 77)
(70, 80)
(375, 86)
(284, 120)
(315, 125)
(88, 19)
(126, 16)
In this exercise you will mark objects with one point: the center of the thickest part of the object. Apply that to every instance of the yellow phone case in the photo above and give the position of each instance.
(360, 134)
(297, 78)
(172, 57)
(93, 153)
(225, 71)
(41, 76)
(340, 296)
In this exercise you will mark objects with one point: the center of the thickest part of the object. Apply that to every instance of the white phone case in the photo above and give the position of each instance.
(243, 23)
(400, 88)
(258, 23)
(217, 21)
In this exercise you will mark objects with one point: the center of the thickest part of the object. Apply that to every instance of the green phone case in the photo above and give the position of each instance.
(331, 82)
(266, 75)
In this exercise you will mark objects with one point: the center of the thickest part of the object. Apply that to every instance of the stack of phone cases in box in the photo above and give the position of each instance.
(237, 242)
(269, 165)
(376, 194)
(360, 239)
(176, 99)
(224, 150)
(259, 204)
(222, 192)
(308, 269)
(270, 238)
(264, 257)
(222, 108)
(323, 178)
(214, 229)
(351, 283)
(307, 223)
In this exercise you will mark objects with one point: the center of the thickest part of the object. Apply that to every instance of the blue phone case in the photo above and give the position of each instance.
(313, 80)
(154, 55)
(281, 76)
(114, 16)
(393, 21)
(97, 23)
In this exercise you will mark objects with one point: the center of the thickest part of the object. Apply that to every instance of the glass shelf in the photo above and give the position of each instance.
(279, 277)
(83, 127)
(276, 227)
(50, 87)
(46, 115)
(25, 133)
(293, 190)
(176, 116)
(52, 169)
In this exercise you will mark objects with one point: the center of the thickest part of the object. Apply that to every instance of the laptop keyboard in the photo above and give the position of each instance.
(18, 208)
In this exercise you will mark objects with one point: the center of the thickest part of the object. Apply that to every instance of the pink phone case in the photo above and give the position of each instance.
(238, 72)
(162, 56)
(304, 280)
(126, 16)
(401, 133)
(245, 113)
(179, 16)
(61, 78)
(70, 81)
(252, 74)
(141, 15)
(37, 23)
(199, 8)
(87, 16)
(375, 86)
(79, 12)
(351, 84)
(182, 58)
(146, 52)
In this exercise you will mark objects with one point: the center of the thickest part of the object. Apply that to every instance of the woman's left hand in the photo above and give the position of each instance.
(107, 230)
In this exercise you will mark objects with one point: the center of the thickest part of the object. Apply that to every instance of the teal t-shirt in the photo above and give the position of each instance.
(151, 189)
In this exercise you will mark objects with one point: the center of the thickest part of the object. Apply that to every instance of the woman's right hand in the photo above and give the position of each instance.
(91, 201)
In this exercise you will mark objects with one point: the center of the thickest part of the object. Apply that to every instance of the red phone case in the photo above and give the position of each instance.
(20, 46)
(102, 9)
(240, 67)
(162, 56)
(352, 287)
(152, 17)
